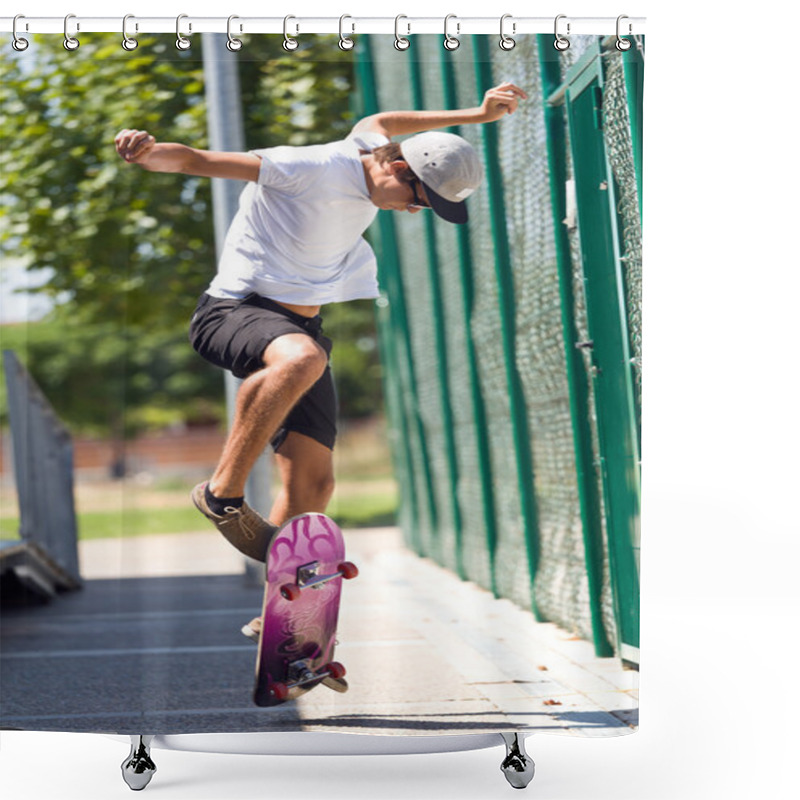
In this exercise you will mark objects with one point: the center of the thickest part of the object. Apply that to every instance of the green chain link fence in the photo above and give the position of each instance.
(497, 430)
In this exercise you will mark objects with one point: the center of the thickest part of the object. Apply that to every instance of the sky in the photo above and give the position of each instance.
(17, 305)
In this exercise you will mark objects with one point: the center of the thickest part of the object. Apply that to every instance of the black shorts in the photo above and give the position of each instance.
(233, 334)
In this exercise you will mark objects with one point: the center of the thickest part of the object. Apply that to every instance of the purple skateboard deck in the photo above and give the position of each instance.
(305, 567)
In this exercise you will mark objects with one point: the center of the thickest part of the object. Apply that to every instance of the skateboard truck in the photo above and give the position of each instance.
(308, 577)
(300, 674)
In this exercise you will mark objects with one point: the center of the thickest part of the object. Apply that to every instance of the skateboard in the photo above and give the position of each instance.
(305, 568)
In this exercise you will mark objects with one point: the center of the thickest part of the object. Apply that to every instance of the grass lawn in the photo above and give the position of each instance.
(353, 512)
(365, 496)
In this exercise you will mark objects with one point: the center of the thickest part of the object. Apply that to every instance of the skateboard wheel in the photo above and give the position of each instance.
(348, 570)
(335, 670)
(290, 591)
(280, 691)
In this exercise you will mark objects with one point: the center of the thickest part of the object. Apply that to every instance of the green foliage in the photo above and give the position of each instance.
(295, 98)
(355, 360)
(119, 247)
(127, 251)
(102, 379)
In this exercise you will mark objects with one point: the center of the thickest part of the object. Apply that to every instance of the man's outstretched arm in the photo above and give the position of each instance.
(139, 147)
(497, 102)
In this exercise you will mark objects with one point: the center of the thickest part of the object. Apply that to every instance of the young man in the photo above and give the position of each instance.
(296, 244)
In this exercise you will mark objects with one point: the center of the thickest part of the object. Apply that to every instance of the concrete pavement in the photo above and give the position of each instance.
(151, 644)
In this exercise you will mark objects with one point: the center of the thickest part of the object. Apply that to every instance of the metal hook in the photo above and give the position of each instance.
(127, 42)
(507, 42)
(561, 43)
(623, 44)
(70, 42)
(182, 43)
(451, 42)
(345, 43)
(400, 42)
(288, 42)
(233, 44)
(19, 44)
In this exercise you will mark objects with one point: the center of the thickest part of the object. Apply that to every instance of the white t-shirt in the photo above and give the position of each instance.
(297, 236)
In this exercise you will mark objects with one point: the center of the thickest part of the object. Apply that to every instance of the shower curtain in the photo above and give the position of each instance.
(489, 398)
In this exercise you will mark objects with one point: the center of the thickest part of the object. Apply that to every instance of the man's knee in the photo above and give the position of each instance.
(299, 356)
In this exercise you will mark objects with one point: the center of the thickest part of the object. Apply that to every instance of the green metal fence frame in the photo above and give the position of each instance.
(633, 64)
(389, 277)
(577, 376)
(478, 405)
(397, 350)
(611, 363)
(440, 344)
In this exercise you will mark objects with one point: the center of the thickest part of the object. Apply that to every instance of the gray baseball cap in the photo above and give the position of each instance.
(449, 169)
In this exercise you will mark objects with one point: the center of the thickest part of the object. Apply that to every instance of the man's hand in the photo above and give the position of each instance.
(134, 146)
(501, 100)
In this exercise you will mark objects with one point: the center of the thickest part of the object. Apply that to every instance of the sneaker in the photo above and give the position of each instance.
(252, 630)
(243, 527)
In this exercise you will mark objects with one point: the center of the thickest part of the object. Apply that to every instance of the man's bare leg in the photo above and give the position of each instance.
(307, 482)
(294, 363)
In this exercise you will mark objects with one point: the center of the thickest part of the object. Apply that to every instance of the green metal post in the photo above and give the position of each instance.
(610, 351)
(392, 387)
(505, 285)
(577, 377)
(440, 343)
(633, 66)
(389, 272)
(481, 425)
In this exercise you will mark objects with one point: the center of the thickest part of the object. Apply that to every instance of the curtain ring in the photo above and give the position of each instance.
(182, 43)
(127, 42)
(70, 42)
(345, 43)
(18, 43)
(400, 42)
(233, 44)
(451, 42)
(507, 42)
(561, 42)
(289, 43)
(623, 44)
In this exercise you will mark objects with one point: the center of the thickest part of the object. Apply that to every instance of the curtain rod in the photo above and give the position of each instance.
(348, 25)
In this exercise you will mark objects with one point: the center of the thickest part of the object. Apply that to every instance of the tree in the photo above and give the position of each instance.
(119, 249)
(103, 382)
(129, 252)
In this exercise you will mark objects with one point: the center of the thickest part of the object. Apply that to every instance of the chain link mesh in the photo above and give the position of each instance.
(468, 490)
(560, 586)
(511, 569)
(419, 386)
(617, 131)
(578, 46)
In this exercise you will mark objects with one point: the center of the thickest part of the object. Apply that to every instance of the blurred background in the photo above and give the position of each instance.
(490, 398)
(102, 265)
